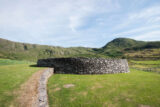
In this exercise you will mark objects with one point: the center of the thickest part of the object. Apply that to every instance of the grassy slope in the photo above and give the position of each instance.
(149, 62)
(119, 47)
(12, 75)
(115, 47)
(32, 52)
(143, 54)
(149, 65)
(133, 89)
(122, 43)
(129, 48)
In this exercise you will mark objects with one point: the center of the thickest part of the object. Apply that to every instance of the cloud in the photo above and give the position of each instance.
(67, 23)
(22, 20)
(140, 24)
(149, 36)
(146, 13)
(138, 30)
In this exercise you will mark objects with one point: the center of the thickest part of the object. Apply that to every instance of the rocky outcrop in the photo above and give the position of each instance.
(85, 65)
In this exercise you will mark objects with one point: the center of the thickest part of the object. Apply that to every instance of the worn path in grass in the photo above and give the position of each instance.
(13, 74)
(28, 92)
(33, 93)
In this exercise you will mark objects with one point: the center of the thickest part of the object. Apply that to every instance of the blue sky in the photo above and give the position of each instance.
(88, 23)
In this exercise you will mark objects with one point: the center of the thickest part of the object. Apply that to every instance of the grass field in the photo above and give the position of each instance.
(135, 89)
(12, 74)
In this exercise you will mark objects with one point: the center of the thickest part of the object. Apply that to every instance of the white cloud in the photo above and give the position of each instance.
(50, 16)
(138, 30)
(142, 24)
(74, 22)
(149, 36)
(146, 13)
(147, 16)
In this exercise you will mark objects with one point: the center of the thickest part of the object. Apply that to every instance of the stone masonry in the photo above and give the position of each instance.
(85, 65)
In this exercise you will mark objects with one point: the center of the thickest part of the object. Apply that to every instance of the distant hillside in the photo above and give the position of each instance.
(115, 47)
(123, 47)
(120, 47)
(122, 43)
(32, 52)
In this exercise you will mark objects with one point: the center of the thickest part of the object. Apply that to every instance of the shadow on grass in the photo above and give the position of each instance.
(35, 65)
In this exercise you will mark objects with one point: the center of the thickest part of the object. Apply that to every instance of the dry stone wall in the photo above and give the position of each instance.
(42, 100)
(85, 65)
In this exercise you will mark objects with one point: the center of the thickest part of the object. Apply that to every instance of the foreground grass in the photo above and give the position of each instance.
(137, 88)
(12, 75)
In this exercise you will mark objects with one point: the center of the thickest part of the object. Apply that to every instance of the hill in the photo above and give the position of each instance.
(119, 47)
(122, 43)
(125, 47)
(32, 52)
(115, 47)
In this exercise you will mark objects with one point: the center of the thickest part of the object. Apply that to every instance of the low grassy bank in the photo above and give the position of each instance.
(135, 89)
(149, 66)
(12, 74)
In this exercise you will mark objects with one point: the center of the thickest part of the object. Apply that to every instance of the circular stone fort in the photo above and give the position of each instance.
(85, 65)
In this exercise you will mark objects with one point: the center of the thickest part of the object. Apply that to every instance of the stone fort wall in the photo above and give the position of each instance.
(85, 65)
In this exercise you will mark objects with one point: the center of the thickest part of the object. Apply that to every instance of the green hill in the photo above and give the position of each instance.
(119, 47)
(32, 52)
(115, 47)
(122, 43)
(124, 47)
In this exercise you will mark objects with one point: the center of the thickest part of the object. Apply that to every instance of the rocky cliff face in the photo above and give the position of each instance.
(85, 65)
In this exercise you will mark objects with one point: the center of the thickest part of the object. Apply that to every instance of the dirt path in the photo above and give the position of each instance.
(29, 91)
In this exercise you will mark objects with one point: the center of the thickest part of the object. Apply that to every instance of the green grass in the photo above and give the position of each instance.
(143, 54)
(151, 62)
(12, 75)
(11, 62)
(149, 66)
(114, 90)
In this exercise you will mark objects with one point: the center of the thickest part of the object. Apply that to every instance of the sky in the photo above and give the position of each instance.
(72, 23)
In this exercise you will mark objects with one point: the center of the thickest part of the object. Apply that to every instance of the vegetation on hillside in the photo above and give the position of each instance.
(144, 54)
(148, 65)
(119, 48)
(125, 47)
(32, 52)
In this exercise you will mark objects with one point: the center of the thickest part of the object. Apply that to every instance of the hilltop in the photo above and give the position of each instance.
(119, 47)
(130, 48)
